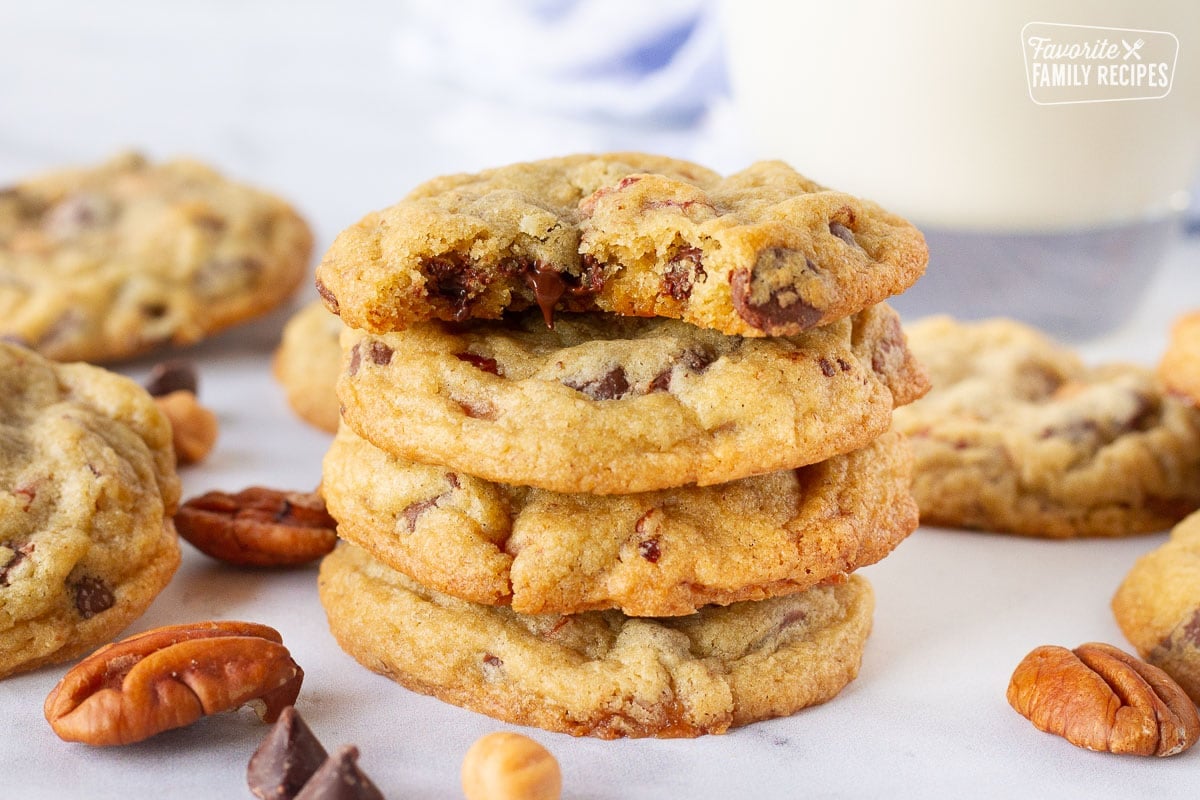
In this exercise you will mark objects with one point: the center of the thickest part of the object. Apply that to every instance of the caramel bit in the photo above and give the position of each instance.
(480, 362)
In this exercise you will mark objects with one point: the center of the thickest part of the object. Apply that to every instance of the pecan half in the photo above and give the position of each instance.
(258, 527)
(170, 677)
(1101, 698)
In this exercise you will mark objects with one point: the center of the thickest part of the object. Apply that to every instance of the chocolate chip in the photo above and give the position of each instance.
(413, 511)
(827, 368)
(339, 778)
(480, 362)
(548, 287)
(172, 376)
(355, 359)
(1190, 630)
(661, 382)
(286, 759)
(697, 360)
(611, 386)
(19, 554)
(683, 270)
(455, 279)
(379, 353)
(842, 232)
(492, 668)
(649, 550)
(78, 212)
(92, 596)
(331, 301)
(765, 295)
(843, 364)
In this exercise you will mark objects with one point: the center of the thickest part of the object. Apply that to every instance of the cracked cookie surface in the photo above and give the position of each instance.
(1158, 606)
(606, 404)
(1018, 435)
(87, 489)
(763, 252)
(601, 673)
(650, 554)
(107, 262)
(307, 363)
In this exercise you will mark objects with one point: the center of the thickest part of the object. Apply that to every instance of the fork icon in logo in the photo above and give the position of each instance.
(1132, 49)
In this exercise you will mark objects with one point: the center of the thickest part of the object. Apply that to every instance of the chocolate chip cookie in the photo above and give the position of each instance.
(107, 262)
(606, 404)
(601, 673)
(659, 553)
(87, 489)
(1018, 435)
(307, 364)
(1179, 368)
(764, 252)
(1158, 606)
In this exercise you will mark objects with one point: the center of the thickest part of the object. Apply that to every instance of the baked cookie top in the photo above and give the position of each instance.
(1019, 435)
(106, 262)
(1158, 606)
(606, 404)
(764, 252)
(662, 553)
(307, 363)
(1179, 368)
(601, 673)
(87, 488)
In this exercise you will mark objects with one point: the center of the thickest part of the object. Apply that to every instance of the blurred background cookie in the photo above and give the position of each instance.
(307, 363)
(1019, 435)
(106, 262)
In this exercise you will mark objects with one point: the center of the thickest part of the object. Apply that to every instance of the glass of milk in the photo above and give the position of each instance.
(1044, 148)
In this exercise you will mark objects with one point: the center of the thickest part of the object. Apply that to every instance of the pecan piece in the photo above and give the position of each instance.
(170, 677)
(1101, 698)
(258, 527)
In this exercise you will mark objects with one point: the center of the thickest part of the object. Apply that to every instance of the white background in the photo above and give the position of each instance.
(313, 104)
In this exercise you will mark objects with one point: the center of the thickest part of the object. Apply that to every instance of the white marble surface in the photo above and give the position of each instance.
(308, 102)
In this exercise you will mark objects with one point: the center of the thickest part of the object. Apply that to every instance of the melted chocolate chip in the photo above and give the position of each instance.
(842, 232)
(92, 596)
(379, 353)
(480, 362)
(286, 759)
(827, 368)
(782, 310)
(454, 279)
(661, 382)
(843, 364)
(172, 376)
(339, 778)
(612, 385)
(548, 288)
(683, 270)
(331, 301)
(649, 550)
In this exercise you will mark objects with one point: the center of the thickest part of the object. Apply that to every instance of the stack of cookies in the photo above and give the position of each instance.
(615, 434)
